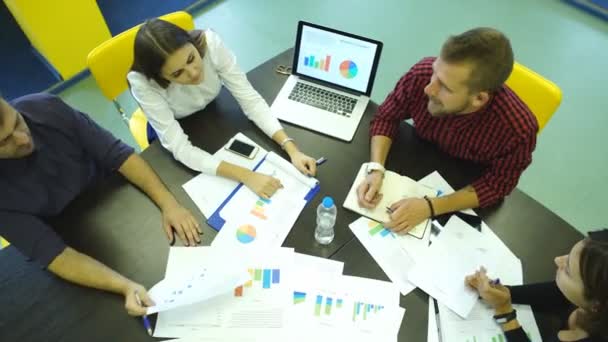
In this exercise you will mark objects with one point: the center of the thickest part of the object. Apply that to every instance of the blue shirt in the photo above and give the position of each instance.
(71, 152)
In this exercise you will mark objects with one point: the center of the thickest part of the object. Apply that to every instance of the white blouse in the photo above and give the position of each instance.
(164, 106)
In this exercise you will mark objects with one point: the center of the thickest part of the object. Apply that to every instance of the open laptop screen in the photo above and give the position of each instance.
(338, 58)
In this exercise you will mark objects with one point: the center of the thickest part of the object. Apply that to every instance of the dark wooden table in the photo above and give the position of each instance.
(118, 225)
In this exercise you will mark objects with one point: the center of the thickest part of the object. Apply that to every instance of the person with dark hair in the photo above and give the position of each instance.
(458, 101)
(49, 154)
(579, 294)
(176, 73)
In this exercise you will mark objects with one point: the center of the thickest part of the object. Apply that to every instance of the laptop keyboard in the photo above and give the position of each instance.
(323, 99)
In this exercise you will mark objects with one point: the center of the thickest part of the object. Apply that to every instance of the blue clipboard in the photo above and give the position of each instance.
(217, 222)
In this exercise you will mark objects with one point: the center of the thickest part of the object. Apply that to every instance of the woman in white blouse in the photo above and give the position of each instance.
(176, 73)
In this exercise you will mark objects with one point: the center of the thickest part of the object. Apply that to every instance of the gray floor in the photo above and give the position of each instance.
(570, 47)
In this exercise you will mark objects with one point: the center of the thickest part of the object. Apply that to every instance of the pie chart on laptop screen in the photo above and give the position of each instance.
(348, 69)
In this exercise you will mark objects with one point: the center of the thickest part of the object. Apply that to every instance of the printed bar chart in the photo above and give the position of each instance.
(299, 297)
(322, 64)
(361, 310)
(375, 228)
(329, 303)
(258, 208)
(267, 277)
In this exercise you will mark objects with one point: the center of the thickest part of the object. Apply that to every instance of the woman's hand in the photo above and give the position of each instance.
(303, 163)
(263, 185)
(498, 296)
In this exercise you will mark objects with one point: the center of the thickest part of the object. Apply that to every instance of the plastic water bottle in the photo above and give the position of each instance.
(326, 219)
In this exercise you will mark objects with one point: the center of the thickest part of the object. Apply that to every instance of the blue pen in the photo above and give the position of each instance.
(321, 160)
(144, 318)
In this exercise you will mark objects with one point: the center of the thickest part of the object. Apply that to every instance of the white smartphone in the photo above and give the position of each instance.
(242, 149)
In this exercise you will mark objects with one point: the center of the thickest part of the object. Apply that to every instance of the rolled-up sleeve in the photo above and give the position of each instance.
(253, 105)
(108, 151)
(31, 236)
(502, 174)
(395, 109)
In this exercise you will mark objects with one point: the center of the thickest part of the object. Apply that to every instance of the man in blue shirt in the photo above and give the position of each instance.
(49, 153)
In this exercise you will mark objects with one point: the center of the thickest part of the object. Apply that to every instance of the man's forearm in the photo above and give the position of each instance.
(464, 198)
(138, 172)
(83, 270)
(380, 146)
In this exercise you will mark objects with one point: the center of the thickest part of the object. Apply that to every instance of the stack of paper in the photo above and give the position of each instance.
(286, 297)
(252, 222)
(332, 307)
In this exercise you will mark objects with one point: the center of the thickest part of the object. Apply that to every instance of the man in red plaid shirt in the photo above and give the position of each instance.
(458, 101)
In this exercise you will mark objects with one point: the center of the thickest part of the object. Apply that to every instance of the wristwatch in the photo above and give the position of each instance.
(373, 166)
(506, 318)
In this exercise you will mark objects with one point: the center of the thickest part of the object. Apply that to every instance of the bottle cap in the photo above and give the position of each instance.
(328, 202)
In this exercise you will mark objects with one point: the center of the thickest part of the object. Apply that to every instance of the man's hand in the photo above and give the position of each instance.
(132, 305)
(368, 192)
(303, 163)
(176, 217)
(407, 214)
(263, 185)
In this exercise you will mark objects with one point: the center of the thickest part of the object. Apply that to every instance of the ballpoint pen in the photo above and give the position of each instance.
(144, 318)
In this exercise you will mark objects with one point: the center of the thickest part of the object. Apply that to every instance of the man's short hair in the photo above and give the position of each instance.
(487, 50)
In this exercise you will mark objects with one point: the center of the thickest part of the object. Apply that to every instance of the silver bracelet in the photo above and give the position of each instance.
(285, 141)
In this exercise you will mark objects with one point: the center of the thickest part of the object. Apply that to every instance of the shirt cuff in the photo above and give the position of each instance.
(383, 128)
(485, 194)
(271, 126)
(48, 247)
(210, 166)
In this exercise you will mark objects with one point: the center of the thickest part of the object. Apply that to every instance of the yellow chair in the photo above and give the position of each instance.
(111, 61)
(538, 93)
(3, 243)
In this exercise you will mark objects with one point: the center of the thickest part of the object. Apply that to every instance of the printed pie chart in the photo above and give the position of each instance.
(348, 69)
(245, 233)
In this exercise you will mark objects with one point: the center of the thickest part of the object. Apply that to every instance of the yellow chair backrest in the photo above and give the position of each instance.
(111, 61)
(3, 243)
(538, 93)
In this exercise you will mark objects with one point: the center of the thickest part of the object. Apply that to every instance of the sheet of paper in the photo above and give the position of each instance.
(350, 307)
(206, 283)
(480, 325)
(257, 308)
(435, 181)
(456, 253)
(385, 248)
(433, 329)
(254, 222)
(394, 188)
(208, 191)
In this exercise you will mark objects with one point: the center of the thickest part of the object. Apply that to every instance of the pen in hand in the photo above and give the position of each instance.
(321, 161)
(144, 318)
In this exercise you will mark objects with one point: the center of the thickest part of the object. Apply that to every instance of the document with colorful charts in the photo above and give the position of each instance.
(256, 309)
(395, 254)
(252, 222)
(206, 282)
(394, 188)
(346, 308)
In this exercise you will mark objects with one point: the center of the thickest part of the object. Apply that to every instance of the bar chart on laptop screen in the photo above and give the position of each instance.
(336, 58)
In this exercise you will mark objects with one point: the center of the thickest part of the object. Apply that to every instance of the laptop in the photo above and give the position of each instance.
(332, 77)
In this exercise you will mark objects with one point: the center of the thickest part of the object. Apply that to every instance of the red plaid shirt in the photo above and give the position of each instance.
(501, 136)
